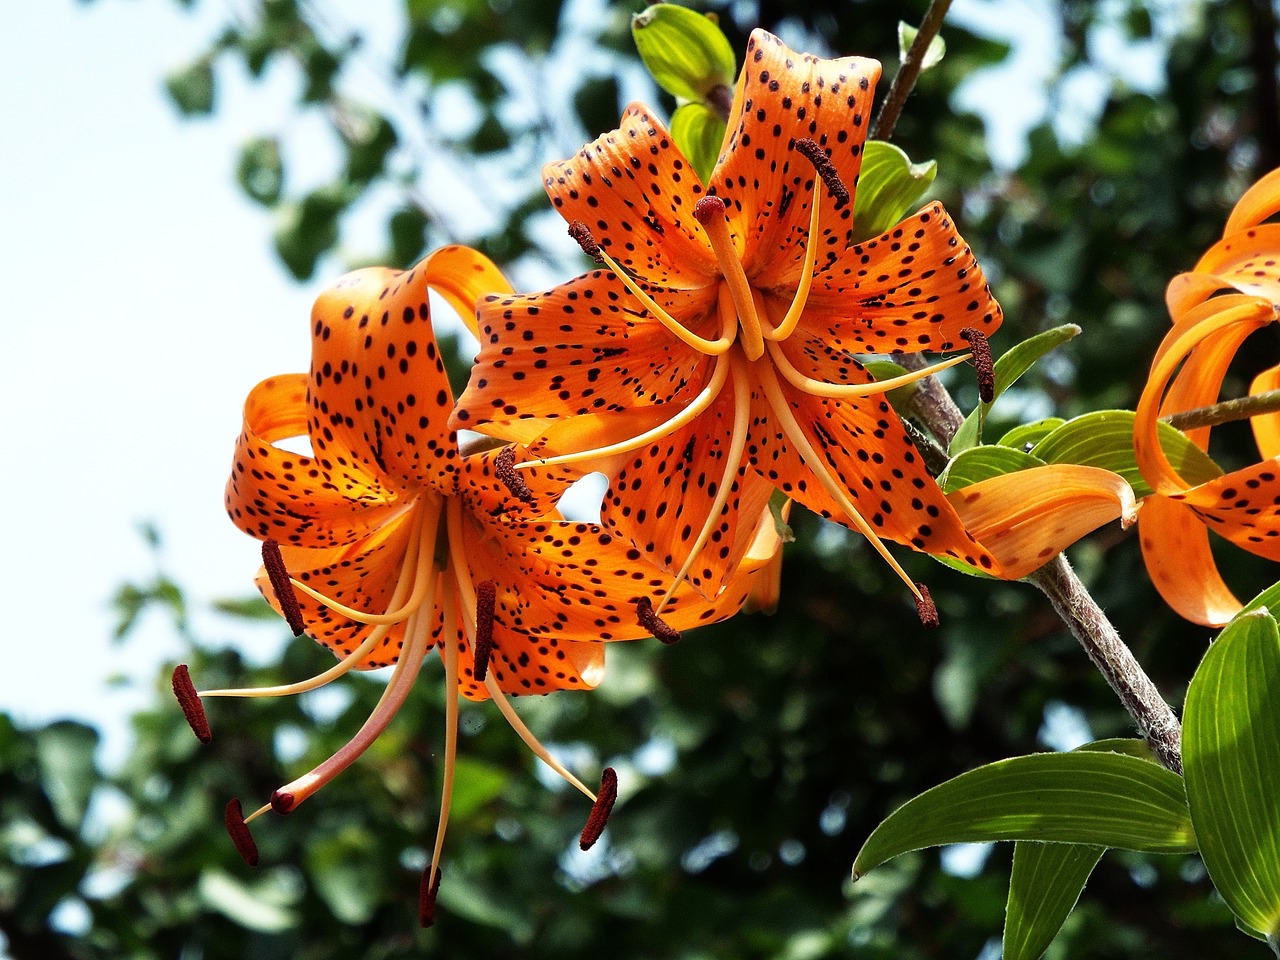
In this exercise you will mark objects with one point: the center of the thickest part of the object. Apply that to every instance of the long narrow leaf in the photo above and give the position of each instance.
(1046, 882)
(1104, 799)
(1231, 757)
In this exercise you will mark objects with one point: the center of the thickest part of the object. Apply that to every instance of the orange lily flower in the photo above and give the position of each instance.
(398, 544)
(1209, 327)
(712, 360)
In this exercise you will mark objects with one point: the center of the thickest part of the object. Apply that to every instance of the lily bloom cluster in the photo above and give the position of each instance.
(709, 364)
(1233, 291)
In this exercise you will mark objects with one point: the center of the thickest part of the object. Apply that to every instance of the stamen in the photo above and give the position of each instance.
(600, 811)
(982, 364)
(449, 647)
(486, 601)
(189, 700)
(924, 606)
(853, 391)
(281, 584)
(719, 374)
(792, 317)
(650, 620)
(582, 234)
(710, 212)
(238, 830)
(427, 892)
(504, 468)
(810, 150)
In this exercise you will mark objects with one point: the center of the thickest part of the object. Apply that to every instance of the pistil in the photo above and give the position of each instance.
(710, 212)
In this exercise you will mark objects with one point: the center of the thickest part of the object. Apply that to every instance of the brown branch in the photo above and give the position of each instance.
(904, 80)
(1242, 408)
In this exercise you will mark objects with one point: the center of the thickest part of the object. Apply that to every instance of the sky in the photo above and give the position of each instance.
(144, 301)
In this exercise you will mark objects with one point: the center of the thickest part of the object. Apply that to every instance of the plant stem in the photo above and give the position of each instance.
(905, 79)
(1077, 608)
(1242, 408)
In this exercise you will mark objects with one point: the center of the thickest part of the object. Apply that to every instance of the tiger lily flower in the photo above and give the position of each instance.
(1209, 328)
(392, 543)
(711, 360)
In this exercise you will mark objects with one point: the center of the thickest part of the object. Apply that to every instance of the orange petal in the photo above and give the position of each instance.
(1243, 507)
(485, 494)
(361, 575)
(1214, 319)
(274, 492)
(1260, 201)
(380, 398)
(764, 558)
(1266, 427)
(1175, 548)
(635, 191)
(1248, 261)
(781, 97)
(662, 495)
(462, 275)
(912, 289)
(867, 451)
(582, 349)
(1027, 517)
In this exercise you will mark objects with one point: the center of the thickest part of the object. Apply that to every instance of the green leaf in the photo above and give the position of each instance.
(260, 171)
(475, 784)
(64, 751)
(933, 54)
(1104, 439)
(1008, 369)
(191, 88)
(1046, 882)
(698, 131)
(887, 370)
(686, 52)
(982, 463)
(1102, 799)
(1130, 746)
(1030, 433)
(889, 185)
(1231, 759)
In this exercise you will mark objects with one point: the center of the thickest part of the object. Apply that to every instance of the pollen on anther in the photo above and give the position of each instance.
(600, 810)
(238, 830)
(428, 889)
(581, 233)
(185, 692)
(279, 577)
(486, 601)
(924, 606)
(810, 150)
(982, 363)
(504, 467)
(649, 619)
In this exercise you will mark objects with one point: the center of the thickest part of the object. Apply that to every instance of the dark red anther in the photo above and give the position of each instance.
(238, 830)
(924, 606)
(600, 810)
(486, 602)
(504, 468)
(282, 802)
(708, 208)
(982, 364)
(283, 589)
(649, 619)
(427, 893)
(582, 234)
(810, 150)
(189, 700)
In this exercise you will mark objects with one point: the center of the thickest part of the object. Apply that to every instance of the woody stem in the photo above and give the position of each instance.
(1241, 408)
(1073, 603)
(905, 79)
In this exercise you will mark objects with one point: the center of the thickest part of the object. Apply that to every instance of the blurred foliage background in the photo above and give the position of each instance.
(756, 756)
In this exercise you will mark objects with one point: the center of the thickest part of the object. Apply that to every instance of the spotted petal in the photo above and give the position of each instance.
(274, 492)
(1260, 201)
(462, 276)
(1243, 507)
(1248, 261)
(380, 399)
(1175, 549)
(782, 97)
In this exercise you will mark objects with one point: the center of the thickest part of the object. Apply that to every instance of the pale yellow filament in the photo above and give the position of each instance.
(733, 460)
(778, 402)
(449, 640)
(788, 325)
(852, 391)
(463, 581)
